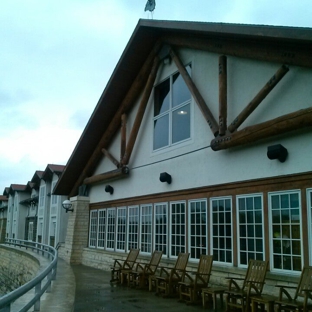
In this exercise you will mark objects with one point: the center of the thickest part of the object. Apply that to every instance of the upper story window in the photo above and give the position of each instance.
(53, 197)
(172, 110)
(41, 195)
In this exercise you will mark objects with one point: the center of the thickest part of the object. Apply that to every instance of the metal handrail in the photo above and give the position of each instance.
(49, 272)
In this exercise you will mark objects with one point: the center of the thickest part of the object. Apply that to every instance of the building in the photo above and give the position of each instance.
(52, 219)
(32, 212)
(3, 216)
(17, 212)
(199, 143)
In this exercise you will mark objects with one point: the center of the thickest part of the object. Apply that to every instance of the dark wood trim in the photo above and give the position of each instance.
(281, 125)
(222, 94)
(127, 103)
(111, 157)
(299, 55)
(245, 113)
(196, 94)
(138, 120)
(304, 229)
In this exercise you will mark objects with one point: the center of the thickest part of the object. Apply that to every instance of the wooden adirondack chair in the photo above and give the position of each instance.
(300, 300)
(190, 286)
(168, 279)
(139, 276)
(239, 297)
(127, 264)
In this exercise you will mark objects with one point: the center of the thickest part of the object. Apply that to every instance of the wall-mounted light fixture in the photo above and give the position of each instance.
(277, 151)
(67, 205)
(109, 189)
(165, 177)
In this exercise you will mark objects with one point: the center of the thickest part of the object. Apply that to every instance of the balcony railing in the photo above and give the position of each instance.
(41, 283)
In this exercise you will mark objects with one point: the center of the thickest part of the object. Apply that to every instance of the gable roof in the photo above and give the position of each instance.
(50, 169)
(141, 44)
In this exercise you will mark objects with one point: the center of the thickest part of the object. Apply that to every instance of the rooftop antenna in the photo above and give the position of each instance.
(150, 6)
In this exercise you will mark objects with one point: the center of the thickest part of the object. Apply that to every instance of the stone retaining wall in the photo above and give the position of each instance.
(24, 264)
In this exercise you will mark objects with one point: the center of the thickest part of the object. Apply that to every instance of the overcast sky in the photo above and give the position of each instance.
(57, 56)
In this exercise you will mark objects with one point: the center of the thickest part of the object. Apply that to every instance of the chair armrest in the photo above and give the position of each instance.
(233, 284)
(117, 263)
(284, 291)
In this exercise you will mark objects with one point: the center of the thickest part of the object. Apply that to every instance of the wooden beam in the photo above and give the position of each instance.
(196, 94)
(107, 176)
(222, 95)
(111, 157)
(138, 119)
(125, 106)
(123, 140)
(281, 125)
(245, 113)
(299, 55)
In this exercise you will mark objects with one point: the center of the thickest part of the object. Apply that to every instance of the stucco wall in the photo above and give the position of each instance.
(193, 163)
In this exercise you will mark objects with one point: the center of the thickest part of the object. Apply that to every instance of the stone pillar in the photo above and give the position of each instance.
(77, 231)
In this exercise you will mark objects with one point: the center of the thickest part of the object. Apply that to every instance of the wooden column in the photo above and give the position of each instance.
(196, 95)
(123, 131)
(281, 125)
(222, 95)
(140, 113)
(125, 106)
(258, 98)
(111, 157)
(107, 176)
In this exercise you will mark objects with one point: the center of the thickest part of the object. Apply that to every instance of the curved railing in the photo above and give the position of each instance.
(36, 283)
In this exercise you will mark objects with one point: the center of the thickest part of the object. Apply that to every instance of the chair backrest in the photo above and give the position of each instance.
(154, 262)
(181, 262)
(131, 258)
(204, 267)
(256, 273)
(305, 282)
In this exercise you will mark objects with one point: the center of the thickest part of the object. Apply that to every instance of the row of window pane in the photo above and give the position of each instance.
(162, 227)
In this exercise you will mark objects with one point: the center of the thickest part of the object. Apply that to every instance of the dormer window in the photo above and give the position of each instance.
(172, 110)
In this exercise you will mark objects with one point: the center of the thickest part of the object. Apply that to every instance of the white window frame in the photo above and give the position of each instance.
(246, 196)
(176, 238)
(273, 235)
(53, 197)
(42, 192)
(93, 228)
(146, 232)
(101, 229)
(133, 231)
(201, 233)
(30, 231)
(121, 229)
(218, 237)
(309, 212)
(111, 229)
(161, 239)
(171, 110)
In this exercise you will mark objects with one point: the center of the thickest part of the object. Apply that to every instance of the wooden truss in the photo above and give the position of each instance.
(224, 136)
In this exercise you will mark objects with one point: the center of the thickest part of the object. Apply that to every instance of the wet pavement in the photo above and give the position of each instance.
(94, 293)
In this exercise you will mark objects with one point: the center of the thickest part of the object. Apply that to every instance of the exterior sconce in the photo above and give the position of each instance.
(109, 189)
(67, 205)
(165, 177)
(277, 151)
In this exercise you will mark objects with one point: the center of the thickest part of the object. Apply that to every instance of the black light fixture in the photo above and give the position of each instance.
(109, 189)
(67, 205)
(165, 177)
(277, 151)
